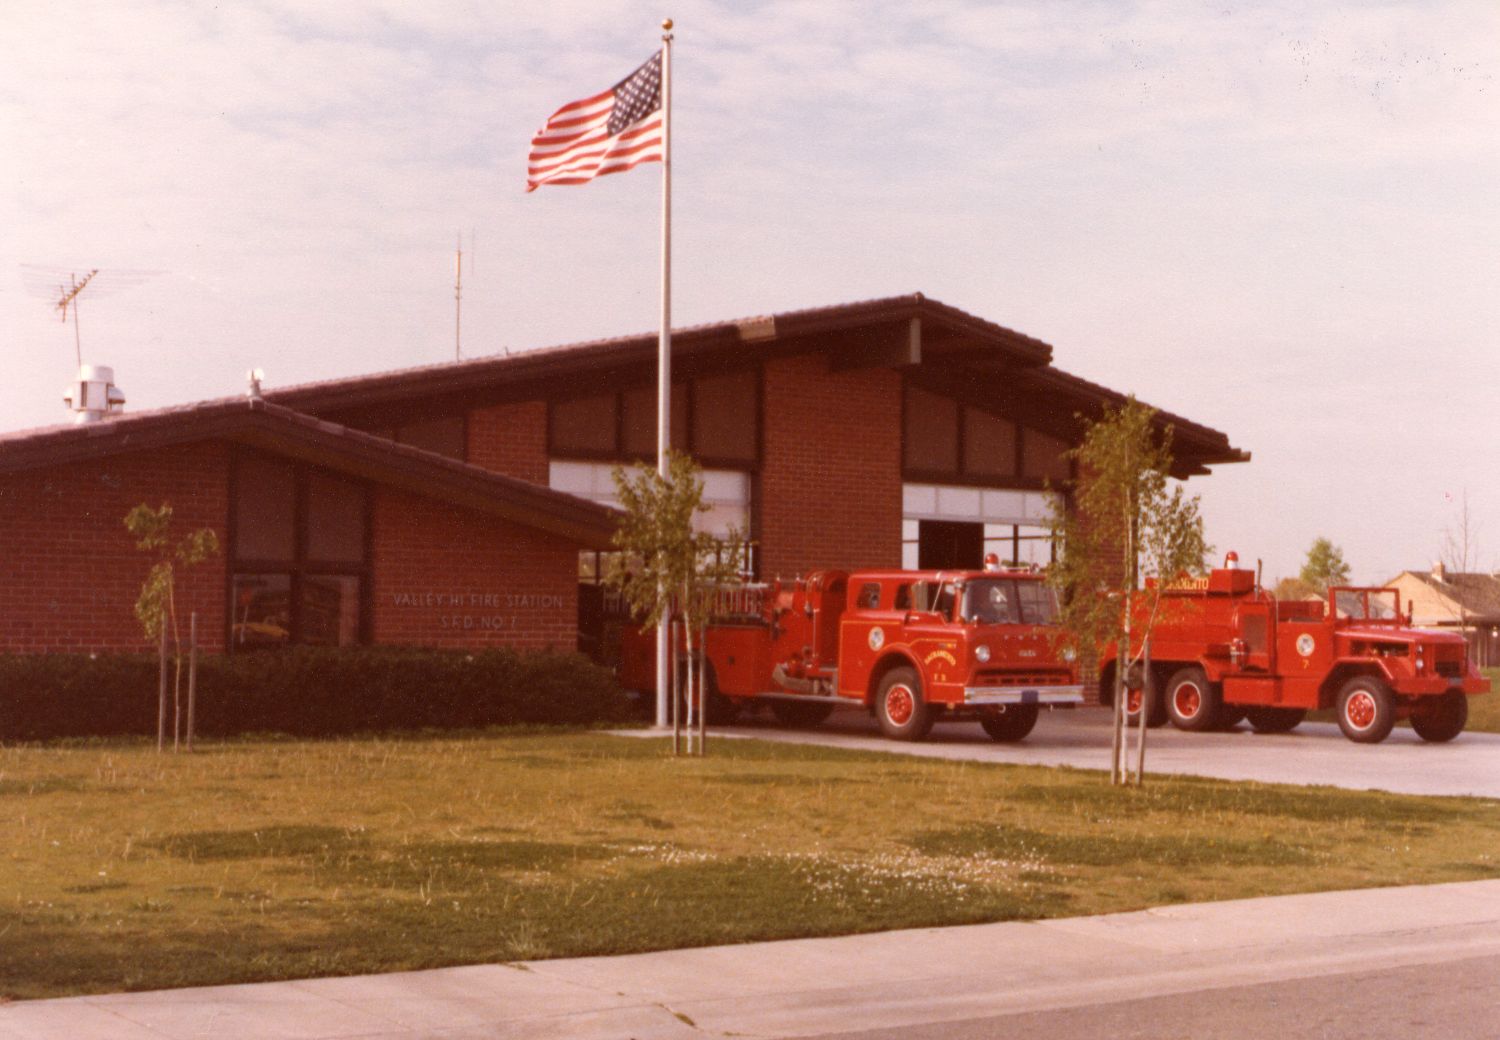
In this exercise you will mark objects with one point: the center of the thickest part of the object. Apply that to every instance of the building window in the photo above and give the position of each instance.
(299, 556)
(584, 425)
(724, 417)
(715, 418)
(638, 421)
(1046, 458)
(989, 444)
(945, 441)
(447, 435)
(931, 441)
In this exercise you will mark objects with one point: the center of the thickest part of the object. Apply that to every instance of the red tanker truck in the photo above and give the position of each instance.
(913, 647)
(1224, 649)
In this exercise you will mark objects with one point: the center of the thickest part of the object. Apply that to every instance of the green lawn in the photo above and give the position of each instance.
(125, 870)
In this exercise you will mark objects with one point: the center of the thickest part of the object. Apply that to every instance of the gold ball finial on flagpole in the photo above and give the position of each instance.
(666, 25)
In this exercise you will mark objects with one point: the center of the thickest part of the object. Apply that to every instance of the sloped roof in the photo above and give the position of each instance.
(742, 336)
(271, 427)
(987, 357)
(1476, 593)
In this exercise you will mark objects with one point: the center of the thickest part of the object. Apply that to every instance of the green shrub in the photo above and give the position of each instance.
(309, 692)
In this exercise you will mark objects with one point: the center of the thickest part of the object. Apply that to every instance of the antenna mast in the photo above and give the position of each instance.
(69, 295)
(458, 296)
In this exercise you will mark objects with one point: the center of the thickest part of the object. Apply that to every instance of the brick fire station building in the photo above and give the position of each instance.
(465, 504)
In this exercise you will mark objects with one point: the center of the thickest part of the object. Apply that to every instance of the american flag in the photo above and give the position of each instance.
(606, 133)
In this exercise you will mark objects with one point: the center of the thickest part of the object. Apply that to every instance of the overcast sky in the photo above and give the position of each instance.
(1280, 220)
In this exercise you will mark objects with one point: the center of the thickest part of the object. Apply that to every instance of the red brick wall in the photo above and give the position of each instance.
(449, 577)
(70, 572)
(830, 481)
(511, 439)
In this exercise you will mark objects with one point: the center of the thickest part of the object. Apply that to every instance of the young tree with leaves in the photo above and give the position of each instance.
(156, 607)
(1324, 567)
(665, 567)
(1129, 519)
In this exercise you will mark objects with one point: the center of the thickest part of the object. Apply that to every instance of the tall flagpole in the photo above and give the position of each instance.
(664, 352)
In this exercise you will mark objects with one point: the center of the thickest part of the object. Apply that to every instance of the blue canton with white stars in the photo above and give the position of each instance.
(637, 95)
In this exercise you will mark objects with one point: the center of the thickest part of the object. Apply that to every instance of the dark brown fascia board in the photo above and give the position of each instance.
(61, 445)
(1206, 445)
(739, 341)
(286, 432)
(1012, 393)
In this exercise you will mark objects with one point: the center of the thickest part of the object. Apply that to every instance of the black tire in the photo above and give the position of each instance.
(1440, 719)
(1192, 701)
(1230, 716)
(1275, 720)
(900, 707)
(1012, 723)
(1367, 709)
(1158, 716)
(721, 710)
(799, 713)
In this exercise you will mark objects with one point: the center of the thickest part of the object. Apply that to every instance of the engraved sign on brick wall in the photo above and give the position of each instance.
(477, 611)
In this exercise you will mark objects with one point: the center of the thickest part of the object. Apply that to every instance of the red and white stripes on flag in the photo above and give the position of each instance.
(606, 133)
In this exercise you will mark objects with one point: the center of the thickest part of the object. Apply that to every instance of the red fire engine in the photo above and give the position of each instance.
(1224, 649)
(913, 647)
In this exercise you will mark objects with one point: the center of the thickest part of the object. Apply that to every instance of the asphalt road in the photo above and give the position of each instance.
(1313, 753)
(1453, 1000)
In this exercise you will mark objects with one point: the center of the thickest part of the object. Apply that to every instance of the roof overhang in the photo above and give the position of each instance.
(282, 431)
(947, 349)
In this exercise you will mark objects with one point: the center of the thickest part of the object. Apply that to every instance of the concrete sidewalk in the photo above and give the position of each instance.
(817, 986)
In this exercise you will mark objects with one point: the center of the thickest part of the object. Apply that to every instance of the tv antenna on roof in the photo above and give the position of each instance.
(48, 283)
(69, 295)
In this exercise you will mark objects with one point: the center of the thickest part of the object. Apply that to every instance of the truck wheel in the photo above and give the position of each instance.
(1158, 716)
(899, 706)
(1192, 701)
(1367, 709)
(1230, 716)
(795, 713)
(721, 710)
(1275, 720)
(1440, 719)
(1012, 723)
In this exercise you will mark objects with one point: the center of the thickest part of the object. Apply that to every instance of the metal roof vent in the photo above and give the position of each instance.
(93, 395)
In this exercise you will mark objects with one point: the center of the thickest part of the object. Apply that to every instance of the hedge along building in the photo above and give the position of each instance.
(892, 432)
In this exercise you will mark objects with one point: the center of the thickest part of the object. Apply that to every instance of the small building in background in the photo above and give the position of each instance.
(1466, 601)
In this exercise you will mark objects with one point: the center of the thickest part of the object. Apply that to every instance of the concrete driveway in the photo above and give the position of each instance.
(1314, 753)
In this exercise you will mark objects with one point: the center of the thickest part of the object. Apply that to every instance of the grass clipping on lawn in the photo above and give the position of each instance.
(251, 861)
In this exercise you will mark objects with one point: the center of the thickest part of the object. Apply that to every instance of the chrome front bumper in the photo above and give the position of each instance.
(1023, 694)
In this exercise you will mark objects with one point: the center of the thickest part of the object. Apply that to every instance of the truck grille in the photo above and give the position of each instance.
(1448, 661)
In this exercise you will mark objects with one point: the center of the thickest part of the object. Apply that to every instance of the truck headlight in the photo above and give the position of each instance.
(1069, 654)
(981, 654)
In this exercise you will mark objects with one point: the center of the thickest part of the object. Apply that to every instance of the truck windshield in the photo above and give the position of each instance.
(1002, 601)
(1366, 604)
